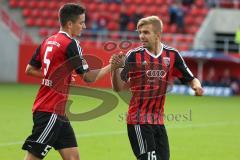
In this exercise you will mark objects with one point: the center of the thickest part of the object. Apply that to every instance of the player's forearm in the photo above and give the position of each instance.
(94, 75)
(30, 70)
(117, 83)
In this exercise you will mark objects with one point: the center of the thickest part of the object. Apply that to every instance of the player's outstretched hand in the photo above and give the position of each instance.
(117, 61)
(198, 91)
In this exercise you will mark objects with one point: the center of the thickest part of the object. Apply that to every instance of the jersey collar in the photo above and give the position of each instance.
(153, 55)
(65, 34)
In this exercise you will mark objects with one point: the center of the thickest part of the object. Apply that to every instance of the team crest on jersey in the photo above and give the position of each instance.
(166, 61)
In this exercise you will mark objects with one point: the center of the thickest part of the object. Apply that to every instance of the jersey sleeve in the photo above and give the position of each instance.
(181, 70)
(36, 59)
(75, 51)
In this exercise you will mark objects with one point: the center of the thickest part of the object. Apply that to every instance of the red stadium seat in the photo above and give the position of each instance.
(131, 26)
(113, 7)
(40, 22)
(33, 4)
(27, 12)
(103, 7)
(163, 11)
(182, 47)
(50, 23)
(153, 10)
(112, 26)
(92, 7)
(114, 36)
(189, 39)
(46, 13)
(53, 5)
(14, 3)
(127, 2)
(150, 2)
(198, 20)
(200, 3)
(204, 11)
(137, 2)
(23, 4)
(192, 29)
(160, 2)
(42, 4)
(132, 9)
(180, 38)
(36, 13)
(143, 8)
(167, 39)
(189, 20)
(43, 32)
(30, 22)
(173, 28)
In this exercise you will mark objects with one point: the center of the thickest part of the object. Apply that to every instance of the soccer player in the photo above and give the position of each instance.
(51, 127)
(147, 72)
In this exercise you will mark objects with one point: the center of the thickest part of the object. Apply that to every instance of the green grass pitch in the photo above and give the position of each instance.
(209, 131)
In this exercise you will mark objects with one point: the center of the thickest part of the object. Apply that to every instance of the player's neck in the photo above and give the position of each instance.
(155, 49)
(67, 31)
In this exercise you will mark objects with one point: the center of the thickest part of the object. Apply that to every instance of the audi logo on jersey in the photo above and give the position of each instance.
(156, 73)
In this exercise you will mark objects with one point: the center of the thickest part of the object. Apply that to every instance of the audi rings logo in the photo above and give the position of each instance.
(156, 73)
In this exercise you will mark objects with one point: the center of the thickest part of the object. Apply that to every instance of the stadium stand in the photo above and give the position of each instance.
(43, 14)
(103, 22)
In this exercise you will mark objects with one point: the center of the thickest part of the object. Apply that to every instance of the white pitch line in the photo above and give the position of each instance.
(112, 133)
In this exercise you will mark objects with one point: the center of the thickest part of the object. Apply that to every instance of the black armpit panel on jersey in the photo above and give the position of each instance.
(129, 61)
(184, 73)
(36, 60)
(74, 51)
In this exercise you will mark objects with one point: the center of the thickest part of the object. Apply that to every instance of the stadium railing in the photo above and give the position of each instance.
(14, 27)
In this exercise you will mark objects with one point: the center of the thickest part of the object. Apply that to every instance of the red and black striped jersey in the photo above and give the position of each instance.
(57, 56)
(150, 77)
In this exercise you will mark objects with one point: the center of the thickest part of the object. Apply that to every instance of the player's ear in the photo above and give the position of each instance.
(69, 24)
(158, 35)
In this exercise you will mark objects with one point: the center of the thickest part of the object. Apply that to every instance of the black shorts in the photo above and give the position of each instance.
(49, 130)
(149, 142)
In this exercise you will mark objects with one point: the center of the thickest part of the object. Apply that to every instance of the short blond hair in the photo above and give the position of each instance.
(154, 20)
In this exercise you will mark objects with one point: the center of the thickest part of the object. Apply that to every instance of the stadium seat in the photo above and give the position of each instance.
(163, 11)
(131, 27)
(92, 7)
(112, 26)
(113, 7)
(27, 12)
(103, 7)
(199, 3)
(173, 28)
(36, 13)
(43, 32)
(137, 2)
(160, 2)
(30, 22)
(189, 20)
(167, 38)
(127, 2)
(33, 4)
(13, 3)
(42, 4)
(150, 2)
(182, 47)
(46, 13)
(192, 29)
(22, 4)
(40, 22)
